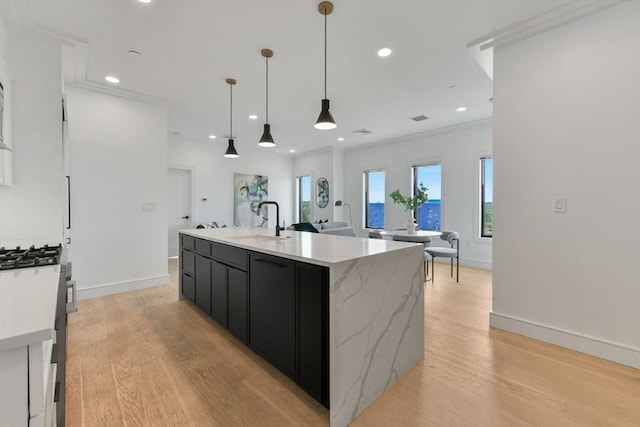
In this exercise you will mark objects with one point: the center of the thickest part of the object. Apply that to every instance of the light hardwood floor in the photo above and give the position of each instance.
(145, 358)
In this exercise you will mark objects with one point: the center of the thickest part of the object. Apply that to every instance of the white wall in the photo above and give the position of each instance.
(117, 162)
(459, 151)
(214, 177)
(31, 211)
(566, 124)
(317, 165)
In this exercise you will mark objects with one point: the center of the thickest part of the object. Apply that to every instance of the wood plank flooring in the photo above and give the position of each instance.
(145, 358)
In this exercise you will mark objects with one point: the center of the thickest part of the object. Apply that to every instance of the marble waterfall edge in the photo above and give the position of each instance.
(376, 327)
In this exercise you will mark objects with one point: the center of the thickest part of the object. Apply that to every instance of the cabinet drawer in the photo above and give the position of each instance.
(187, 242)
(231, 255)
(188, 262)
(203, 247)
(188, 286)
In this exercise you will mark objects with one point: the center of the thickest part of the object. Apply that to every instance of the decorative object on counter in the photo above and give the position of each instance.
(231, 152)
(267, 140)
(211, 224)
(248, 192)
(341, 203)
(411, 203)
(322, 193)
(325, 119)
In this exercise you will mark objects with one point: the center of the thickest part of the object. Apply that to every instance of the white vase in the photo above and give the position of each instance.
(411, 226)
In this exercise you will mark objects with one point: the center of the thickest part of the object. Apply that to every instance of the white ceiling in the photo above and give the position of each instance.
(189, 48)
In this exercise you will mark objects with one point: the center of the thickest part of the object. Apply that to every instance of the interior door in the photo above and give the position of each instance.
(179, 199)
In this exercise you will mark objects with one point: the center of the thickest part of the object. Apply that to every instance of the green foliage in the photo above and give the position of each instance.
(411, 203)
(306, 212)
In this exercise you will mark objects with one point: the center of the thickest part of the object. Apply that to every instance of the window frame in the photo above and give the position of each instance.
(365, 196)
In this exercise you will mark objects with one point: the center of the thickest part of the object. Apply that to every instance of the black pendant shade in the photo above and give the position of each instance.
(231, 152)
(266, 140)
(325, 119)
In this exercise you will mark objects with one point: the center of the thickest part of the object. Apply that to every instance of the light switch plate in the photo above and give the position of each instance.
(560, 204)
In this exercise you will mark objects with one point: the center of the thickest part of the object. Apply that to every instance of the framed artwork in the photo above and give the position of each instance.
(322, 192)
(248, 192)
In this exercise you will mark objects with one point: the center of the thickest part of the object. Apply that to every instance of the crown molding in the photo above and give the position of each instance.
(546, 21)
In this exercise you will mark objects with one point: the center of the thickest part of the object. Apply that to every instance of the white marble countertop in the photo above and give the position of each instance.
(27, 305)
(313, 248)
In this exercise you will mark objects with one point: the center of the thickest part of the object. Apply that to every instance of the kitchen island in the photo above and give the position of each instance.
(341, 316)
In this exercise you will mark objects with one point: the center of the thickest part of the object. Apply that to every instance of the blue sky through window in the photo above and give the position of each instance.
(376, 187)
(431, 177)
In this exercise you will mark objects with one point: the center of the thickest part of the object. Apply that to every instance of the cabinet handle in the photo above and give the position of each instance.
(275, 264)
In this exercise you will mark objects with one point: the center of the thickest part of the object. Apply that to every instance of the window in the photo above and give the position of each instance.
(486, 197)
(304, 198)
(429, 215)
(374, 199)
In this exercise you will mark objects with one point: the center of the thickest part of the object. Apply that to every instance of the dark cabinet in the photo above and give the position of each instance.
(272, 309)
(313, 330)
(219, 292)
(237, 292)
(203, 284)
(276, 306)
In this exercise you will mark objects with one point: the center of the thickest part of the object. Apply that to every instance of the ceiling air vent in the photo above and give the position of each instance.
(419, 118)
(362, 131)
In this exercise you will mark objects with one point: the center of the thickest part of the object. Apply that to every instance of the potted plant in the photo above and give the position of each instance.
(411, 203)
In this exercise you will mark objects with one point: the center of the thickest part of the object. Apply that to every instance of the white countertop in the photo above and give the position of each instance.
(27, 305)
(314, 248)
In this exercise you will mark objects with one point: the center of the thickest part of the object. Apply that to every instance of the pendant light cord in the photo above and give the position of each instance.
(325, 55)
(267, 102)
(231, 111)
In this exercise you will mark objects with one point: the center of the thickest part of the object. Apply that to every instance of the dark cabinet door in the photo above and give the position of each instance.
(272, 310)
(188, 286)
(219, 293)
(188, 262)
(313, 331)
(203, 284)
(237, 313)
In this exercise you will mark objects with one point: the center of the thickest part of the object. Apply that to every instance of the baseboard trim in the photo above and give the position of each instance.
(614, 352)
(119, 287)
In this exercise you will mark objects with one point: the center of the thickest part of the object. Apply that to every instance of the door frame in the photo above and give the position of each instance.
(192, 189)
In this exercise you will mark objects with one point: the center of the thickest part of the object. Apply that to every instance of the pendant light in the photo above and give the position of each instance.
(325, 119)
(267, 139)
(231, 152)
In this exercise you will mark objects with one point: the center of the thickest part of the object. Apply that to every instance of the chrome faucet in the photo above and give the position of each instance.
(277, 214)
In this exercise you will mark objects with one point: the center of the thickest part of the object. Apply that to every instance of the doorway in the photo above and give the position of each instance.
(180, 206)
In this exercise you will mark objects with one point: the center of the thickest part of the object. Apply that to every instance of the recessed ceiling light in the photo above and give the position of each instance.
(212, 137)
(112, 79)
(461, 109)
(253, 116)
(341, 139)
(385, 51)
(144, 1)
(292, 151)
